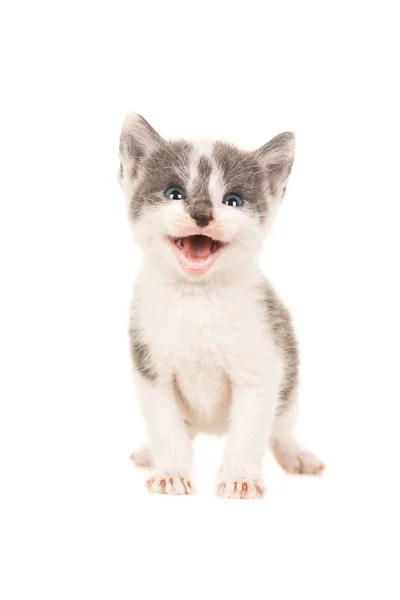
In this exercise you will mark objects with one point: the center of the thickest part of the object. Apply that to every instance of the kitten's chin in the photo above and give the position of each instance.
(196, 253)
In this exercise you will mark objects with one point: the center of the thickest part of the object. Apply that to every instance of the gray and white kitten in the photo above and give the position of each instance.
(213, 348)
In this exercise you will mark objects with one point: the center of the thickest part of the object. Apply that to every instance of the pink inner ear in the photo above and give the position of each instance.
(138, 137)
(278, 156)
(278, 174)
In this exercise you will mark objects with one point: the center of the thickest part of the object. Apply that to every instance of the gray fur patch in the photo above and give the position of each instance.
(285, 339)
(243, 175)
(141, 356)
(168, 166)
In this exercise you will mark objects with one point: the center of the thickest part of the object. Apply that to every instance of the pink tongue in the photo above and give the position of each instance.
(197, 246)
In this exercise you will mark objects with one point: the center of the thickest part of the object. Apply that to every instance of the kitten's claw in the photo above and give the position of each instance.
(241, 488)
(173, 484)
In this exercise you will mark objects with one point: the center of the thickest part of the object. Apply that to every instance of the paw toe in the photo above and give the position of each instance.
(243, 489)
(170, 484)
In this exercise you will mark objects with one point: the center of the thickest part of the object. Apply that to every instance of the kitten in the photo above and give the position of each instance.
(213, 348)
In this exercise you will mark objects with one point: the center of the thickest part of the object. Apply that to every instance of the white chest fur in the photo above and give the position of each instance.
(200, 334)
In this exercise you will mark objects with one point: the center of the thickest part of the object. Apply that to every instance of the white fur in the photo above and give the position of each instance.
(216, 187)
(204, 147)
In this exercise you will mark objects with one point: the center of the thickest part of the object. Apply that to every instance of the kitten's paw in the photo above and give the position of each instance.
(303, 463)
(174, 484)
(142, 457)
(241, 488)
(295, 459)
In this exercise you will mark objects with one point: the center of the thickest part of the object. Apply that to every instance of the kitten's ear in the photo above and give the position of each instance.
(138, 139)
(277, 158)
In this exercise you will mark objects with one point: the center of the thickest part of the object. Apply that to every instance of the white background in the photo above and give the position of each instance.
(76, 520)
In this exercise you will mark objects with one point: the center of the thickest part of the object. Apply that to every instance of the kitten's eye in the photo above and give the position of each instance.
(232, 200)
(175, 193)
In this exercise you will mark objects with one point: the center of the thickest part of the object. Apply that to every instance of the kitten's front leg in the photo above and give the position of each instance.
(251, 420)
(170, 442)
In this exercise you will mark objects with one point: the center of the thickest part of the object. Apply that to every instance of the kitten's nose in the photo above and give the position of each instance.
(202, 220)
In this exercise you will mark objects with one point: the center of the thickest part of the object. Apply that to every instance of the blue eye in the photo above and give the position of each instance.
(232, 200)
(175, 193)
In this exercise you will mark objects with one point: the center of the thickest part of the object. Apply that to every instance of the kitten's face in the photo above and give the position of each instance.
(200, 209)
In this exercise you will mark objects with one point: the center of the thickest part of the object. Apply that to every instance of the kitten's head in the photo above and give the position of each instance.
(200, 209)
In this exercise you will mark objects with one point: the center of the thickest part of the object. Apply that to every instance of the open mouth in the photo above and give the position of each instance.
(197, 252)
